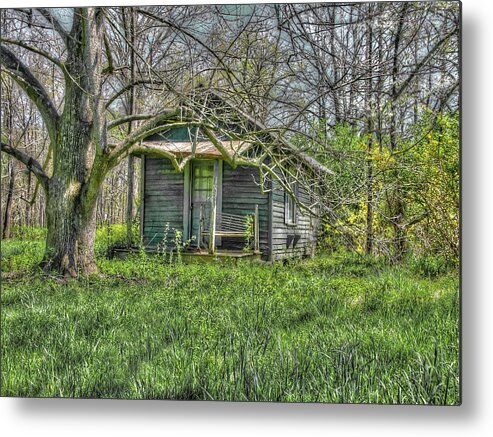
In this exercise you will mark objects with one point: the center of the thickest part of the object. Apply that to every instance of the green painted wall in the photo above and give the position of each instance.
(164, 201)
(178, 134)
(290, 241)
(241, 193)
(163, 197)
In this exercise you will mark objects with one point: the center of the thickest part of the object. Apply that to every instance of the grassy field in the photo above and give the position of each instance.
(336, 328)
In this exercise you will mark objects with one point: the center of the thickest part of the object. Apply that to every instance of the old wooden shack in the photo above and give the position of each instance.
(177, 206)
(209, 207)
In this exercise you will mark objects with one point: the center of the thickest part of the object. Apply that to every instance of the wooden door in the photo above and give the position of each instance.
(201, 194)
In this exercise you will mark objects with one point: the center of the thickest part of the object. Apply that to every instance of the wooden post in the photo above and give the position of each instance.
(256, 231)
(201, 219)
(186, 203)
(212, 217)
(142, 196)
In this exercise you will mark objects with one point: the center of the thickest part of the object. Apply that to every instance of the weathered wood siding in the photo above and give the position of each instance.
(296, 240)
(240, 194)
(163, 197)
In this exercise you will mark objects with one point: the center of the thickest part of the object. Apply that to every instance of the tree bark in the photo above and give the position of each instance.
(369, 128)
(397, 206)
(131, 111)
(7, 218)
(29, 204)
(78, 164)
(11, 172)
(71, 234)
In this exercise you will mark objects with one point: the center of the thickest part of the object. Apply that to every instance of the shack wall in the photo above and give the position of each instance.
(163, 197)
(241, 192)
(291, 240)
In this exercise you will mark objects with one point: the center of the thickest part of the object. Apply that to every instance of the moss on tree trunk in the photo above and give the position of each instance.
(71, 222)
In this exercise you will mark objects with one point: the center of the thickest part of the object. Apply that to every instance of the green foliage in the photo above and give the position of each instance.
(249, 229)
(24, 252)
(28, 232)
(109, 237)
(432, 266)
(433, 176)
(340, 328)
(179, 245)
(345, 154)
(421, 174)
(21, 256)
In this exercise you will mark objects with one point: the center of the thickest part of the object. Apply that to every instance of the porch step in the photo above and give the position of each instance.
(191, 257)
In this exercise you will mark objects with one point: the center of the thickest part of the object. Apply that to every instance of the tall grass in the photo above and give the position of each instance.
(332, 329)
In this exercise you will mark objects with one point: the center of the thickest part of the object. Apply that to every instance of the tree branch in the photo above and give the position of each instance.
(275, 138)
(233, 160)
(33, 88)
(48, 16)
(423, 62)
(126, 88)
(129, 118)
(31, 164)
(143, 147)
(154, 125)
(190, 35)
(34, 50)
(110, 68)
(417, 220)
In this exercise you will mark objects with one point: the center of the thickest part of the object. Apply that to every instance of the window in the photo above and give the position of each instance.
(290, 205)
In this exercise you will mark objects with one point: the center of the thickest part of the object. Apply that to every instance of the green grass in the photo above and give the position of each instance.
(334, 329)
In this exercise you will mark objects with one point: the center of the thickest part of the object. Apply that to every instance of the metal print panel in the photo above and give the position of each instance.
(232, 202)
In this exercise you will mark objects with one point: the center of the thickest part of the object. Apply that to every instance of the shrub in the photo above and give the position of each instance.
(28, 233)
(20, 255)
(109, 237)
(431, 266)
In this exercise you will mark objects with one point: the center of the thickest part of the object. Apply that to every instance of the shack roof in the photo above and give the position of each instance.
(183, 142)
(200, 149)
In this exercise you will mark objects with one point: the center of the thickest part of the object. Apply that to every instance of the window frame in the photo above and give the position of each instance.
(290, 206)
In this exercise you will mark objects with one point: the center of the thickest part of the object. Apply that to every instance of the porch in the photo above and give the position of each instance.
(210, 207)
(191, 256)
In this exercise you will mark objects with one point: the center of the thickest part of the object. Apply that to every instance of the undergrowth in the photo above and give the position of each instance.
(339, 328)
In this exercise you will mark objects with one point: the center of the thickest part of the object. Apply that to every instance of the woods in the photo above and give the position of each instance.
(370, 90)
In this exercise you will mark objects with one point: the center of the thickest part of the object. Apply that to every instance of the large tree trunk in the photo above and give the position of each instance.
(78, 169)
(71, 198)
(71, 233)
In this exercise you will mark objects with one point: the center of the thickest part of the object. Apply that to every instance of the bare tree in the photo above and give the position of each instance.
(88, 138)
(291, 76)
